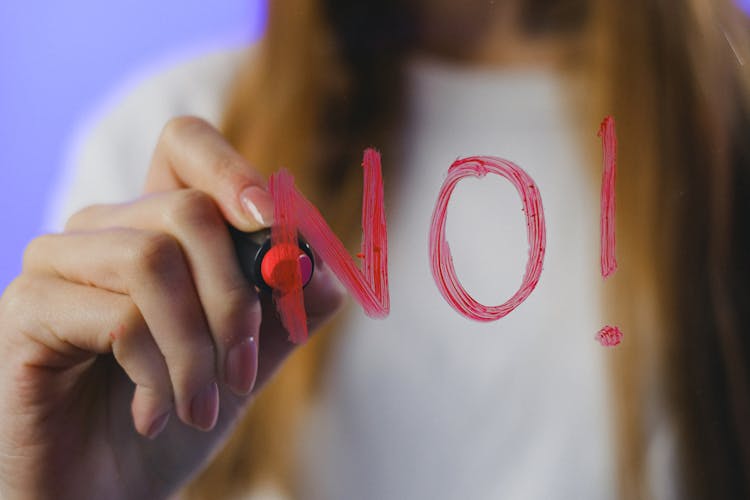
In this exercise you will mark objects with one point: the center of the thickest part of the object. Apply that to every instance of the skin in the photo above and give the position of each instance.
(118, 377)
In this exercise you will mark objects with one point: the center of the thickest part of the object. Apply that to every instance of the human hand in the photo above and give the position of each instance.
(132, 341)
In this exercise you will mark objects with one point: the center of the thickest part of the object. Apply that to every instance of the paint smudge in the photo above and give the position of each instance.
(609, 147)
(609, 336)
(117, 333)
(287, 292)
(368, 286)
(441, 260)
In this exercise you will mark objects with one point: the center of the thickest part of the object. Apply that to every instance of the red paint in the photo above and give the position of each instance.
(609, 336)
(609, 147)
(369, 286)
(441, 261)
(115, 334)
(292, 210)
(283, 273)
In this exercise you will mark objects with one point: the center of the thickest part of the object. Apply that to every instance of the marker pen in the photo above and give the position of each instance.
(268, 267)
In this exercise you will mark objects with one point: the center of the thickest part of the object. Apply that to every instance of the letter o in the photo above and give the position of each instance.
(441, 261)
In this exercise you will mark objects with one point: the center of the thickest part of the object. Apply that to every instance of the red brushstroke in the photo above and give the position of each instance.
(369, 286)
(287, 282)
(609, 147)
(441, 260)
(609, 336)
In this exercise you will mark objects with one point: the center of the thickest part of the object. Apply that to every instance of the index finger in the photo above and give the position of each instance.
(192, 153)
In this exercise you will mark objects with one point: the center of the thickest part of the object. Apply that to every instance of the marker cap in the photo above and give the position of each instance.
(270, 267)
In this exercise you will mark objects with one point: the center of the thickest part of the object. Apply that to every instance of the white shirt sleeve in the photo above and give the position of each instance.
(111, 158)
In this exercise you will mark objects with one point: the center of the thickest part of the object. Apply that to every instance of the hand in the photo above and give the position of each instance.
(132, 342)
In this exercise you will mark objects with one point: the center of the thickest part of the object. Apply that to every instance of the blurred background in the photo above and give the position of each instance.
(64, 63)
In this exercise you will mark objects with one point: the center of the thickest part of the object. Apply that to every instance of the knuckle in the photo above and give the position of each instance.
(157, 253)
(33, 252)
(226, 168)
(82, 217)
(132, 317)
(180, 126)
(193, 208)
(18, 298)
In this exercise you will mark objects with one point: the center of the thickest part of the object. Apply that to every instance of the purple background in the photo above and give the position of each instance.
(59, 61)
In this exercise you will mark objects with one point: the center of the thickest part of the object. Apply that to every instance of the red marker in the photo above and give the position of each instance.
(272, 267)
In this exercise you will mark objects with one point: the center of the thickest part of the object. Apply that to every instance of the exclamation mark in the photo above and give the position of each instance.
(609, 335)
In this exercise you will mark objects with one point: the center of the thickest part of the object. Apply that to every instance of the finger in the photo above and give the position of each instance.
(136, 351)
(66, 333)
(151, 268)
(192, 153)
(231, 305)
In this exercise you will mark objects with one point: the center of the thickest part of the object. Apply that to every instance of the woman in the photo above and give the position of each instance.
(332, 77)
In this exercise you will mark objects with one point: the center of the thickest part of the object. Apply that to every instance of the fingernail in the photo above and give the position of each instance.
(204, 409)
(258, 204)
(157, 425)
(242, 366)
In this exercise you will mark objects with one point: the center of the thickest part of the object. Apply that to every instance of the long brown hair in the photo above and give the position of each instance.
(326, 83)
